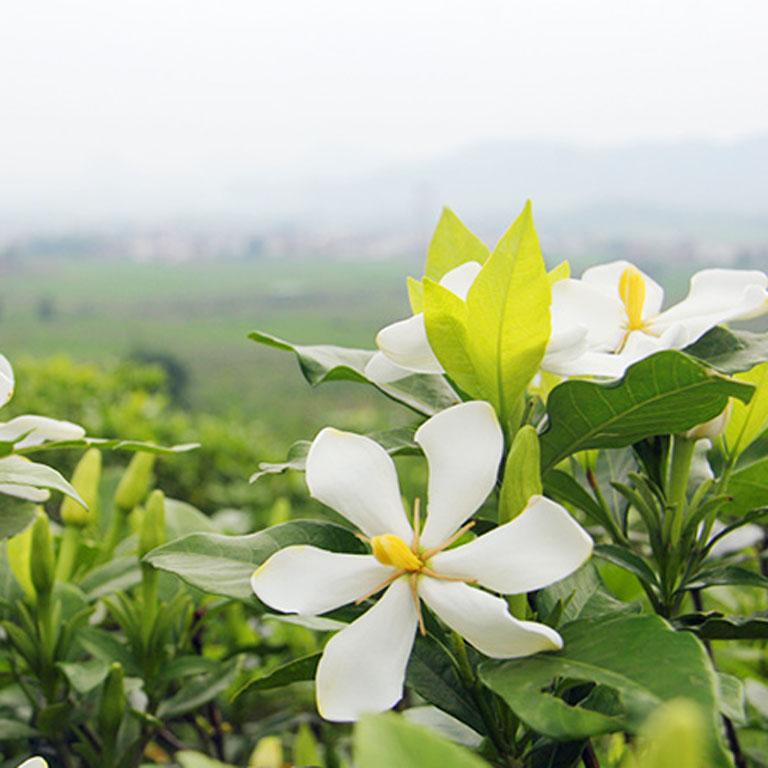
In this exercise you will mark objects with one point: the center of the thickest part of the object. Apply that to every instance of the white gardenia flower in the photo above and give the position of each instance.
(6, 381)
(34, 762)
(619, 309)
(363, 666)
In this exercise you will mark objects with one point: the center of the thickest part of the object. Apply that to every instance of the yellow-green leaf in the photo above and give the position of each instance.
(452, 245)
(560, 272)
(748, 420)
(522, 477)
(508, 317)
(415, 295)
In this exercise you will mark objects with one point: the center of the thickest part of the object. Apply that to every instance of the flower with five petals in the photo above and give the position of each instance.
(362, 668)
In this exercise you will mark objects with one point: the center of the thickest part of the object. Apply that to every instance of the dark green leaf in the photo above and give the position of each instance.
(292, 672)
(730, 351)
(715, 626)
(16, 515)
(560, 486)
(725, 575)
(223, 565)
(195, 693)
(665, 393)
(628, 560)
(13, 729)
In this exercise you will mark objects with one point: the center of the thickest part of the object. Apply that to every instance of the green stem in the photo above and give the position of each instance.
(114, 533)
(65, 563)
(677, 483)
(149, 602)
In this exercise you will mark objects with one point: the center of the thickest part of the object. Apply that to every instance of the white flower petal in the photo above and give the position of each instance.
(459, 280)
(34, 762)
(40, 429)
(6, 380)
(26, 492)
(716, 296)
(355, 476)
(405, 343)
(309, 581)
(542, 545)
(463, 445)
(606, 278)
(577, 304)
(363, 666)
(381, 370)
(485, 621)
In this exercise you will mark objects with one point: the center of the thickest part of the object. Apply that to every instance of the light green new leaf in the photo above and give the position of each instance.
(415, 295)
(748, 420)
(663, 394)
(508, 317)
(223, 565)
(189, 759)
(384, 741)
(522, 477)
(640, 657)
(452, 245)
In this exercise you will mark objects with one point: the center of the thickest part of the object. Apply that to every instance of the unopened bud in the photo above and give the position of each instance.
(42, 562)
(134, 483)
(152, 531)
(112, 701)
(267, 754)
(85, 479)
(712, 429)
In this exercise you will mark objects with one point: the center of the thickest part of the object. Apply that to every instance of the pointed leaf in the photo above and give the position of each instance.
(665, 393)
(522, 477)
(748, 420)
(730, 351)
(223, 565)
(292, 672)
(16, 471)
(452, 245)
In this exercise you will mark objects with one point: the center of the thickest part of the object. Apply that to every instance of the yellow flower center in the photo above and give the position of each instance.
(632, 292)
(392, 550)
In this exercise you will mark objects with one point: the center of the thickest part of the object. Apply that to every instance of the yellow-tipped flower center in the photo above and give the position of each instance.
(392, 550)
(632, 292)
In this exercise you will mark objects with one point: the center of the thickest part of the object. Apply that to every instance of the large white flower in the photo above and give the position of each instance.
(34, 762)
(363, 666)
(618, 308)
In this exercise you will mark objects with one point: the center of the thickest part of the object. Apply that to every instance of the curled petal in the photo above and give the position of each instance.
(459, 280)
(485, 621)
(308, 581)
(716, 296)
(577, 304)
(40, 429)
(355, 476)
(606, 278)
(539, 547)
(363, 666)
(6, 380)
(381, 370)
(463, 445)
(405, 343)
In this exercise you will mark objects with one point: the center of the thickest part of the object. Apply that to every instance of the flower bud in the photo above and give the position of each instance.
(152, 531)
(135, 481)
(85, 479)
(112, 701)
(42, 562)
(268, 753)
(712, 429)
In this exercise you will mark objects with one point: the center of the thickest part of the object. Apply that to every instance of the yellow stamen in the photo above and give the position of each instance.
(632, 292)
(392, 550)
(413, 581)
(455, 537)
(385, 583)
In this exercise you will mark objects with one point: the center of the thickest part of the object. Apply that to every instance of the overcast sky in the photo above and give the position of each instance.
(102, 98)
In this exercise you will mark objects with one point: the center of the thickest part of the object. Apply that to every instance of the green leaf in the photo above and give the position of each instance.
(84, 676)
(182, 518)
(725, 575)
(665, 393)
(748, 488)
(195, 693)
(640, 657)
(223, 565)
(415, 295)
(384, 741)
(562, 487)
(17, 471)
(748, 420)
(730, 695)
(522, 477)
(715, 626)
(508, 319)
(628, 560)
(432, 674)
(16, 515)
(293, 672)
(13, 729)
(107, 647)
(189, 759)
(110, 444)
(425, 393)
(118, 575)
(730, 351)
(452, 245)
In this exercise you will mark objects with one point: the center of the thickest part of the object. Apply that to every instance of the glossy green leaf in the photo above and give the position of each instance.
(294, 671)
(715, 626)
(522, 477)
(451, 246)
(384, 741)
(665, 393)
(643, 659)
(17, 471)
(223, 565)
(730, 351)
(425, 393)
(508, 319)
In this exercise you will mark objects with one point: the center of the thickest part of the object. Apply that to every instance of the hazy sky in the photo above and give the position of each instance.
(106, 98)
